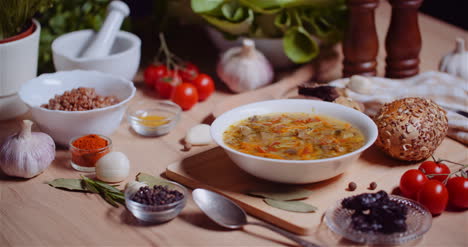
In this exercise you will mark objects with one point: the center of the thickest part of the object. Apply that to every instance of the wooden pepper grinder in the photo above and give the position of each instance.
(360, 45)
(403, 42)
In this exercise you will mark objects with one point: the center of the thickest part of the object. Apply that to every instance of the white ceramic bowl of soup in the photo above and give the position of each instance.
(62, 126)
(294, 171)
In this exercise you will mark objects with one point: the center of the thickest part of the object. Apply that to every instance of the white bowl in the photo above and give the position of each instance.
(294, 171)
(62, 126)
(123, 60)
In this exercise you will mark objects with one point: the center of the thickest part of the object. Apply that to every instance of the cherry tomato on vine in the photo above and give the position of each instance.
(205, 86)
(189, 72)
(165, 85)
(458, 191)
(434, 196)
(411, 182)
(153, 73)
(432, 167)
(185, 95)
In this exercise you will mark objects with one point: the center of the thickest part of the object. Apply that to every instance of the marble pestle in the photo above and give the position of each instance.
(102, 42)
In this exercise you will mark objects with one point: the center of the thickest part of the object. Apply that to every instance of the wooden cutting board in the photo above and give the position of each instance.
(213, 170)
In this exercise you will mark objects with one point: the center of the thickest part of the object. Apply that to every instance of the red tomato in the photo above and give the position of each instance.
(434, 196)
(166, 84)
(431, 167)
(458, 191)
(411, 182)
(185, 95)
(153, 73)
(205, 86)
(189, 72)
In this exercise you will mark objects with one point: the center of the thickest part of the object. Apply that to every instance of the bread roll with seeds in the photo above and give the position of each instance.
(411, 128)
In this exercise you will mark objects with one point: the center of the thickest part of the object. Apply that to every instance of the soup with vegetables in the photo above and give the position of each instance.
(293, 136)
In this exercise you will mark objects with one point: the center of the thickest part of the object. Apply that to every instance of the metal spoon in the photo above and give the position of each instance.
(228, 214)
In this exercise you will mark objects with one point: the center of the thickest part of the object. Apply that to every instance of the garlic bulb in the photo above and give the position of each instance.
(113, 167)
(456, 62)
(26, 154)
(244, 68)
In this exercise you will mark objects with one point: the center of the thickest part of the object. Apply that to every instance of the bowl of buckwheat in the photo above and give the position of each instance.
(74, 103)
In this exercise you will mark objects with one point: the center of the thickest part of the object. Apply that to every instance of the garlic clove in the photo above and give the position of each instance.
(113, 167)
(360, 84)
(199, 135)
(244, 68)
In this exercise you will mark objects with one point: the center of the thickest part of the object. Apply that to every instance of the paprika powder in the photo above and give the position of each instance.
(87, 150)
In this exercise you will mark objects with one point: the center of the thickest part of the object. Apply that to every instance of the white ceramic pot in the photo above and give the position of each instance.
(18, 64)
(123, 60)
(271, 48)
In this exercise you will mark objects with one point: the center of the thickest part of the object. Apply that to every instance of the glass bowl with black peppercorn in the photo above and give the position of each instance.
(378, 218)
(156, 204)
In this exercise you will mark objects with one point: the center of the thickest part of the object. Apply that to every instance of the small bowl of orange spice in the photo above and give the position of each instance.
(153, 118)
(87, 150)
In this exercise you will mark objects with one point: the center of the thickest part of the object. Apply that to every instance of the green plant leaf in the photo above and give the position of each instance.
(282, 194)
(274, 6)
(233, 11)
(206, 6)
(283, 20)
(68, 184)
(151, 180)
(238, 28)
(265, 27)
(299, 45)
(293, 206)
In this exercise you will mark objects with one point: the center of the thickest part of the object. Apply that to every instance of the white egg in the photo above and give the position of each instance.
(113, 167)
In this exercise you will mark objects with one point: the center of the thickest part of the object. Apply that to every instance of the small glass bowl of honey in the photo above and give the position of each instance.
(153, 118)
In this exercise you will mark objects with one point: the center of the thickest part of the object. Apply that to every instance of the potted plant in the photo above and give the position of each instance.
(19, 42)
(299, 28)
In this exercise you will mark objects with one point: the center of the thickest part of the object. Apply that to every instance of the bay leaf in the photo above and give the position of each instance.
(68, 184)
(293, 206)
(282, 194)
(151, 180)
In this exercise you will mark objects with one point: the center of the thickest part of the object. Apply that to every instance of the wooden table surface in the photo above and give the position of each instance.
(34, 214)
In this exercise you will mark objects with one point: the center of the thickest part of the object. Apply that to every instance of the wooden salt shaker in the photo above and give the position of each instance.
(360, 45)
(403, 42)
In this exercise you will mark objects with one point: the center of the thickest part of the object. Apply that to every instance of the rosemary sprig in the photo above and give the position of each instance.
(109, 193)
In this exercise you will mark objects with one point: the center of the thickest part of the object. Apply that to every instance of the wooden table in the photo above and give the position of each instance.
(34, 214)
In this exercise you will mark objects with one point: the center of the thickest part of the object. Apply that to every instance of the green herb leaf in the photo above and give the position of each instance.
(90, 186)
(108, 187)
(151, 180)
(299, 45)
(68, 184)
(293, 206)
(283, 194)
(109, 199)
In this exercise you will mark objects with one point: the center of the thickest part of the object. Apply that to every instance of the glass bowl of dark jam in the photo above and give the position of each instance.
(156, 204)
(378, 219)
